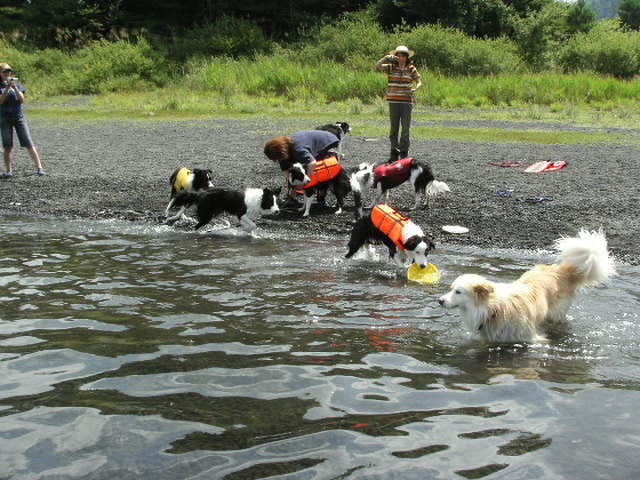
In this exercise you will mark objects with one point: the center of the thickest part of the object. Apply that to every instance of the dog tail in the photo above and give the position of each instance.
(436, 187)
(589, 254)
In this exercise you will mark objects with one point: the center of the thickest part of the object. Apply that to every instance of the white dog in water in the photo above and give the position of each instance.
(512, 312)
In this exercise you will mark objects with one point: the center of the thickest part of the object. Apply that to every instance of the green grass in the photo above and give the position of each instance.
(280, 90)
(367, 120)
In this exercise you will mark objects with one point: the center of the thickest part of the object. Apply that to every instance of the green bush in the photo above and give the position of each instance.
(450, 51)
(104, 66)
(356, 40)
(607, 49)
(229, 36)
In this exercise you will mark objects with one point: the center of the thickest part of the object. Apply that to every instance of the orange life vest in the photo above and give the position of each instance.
(390, 222)
(325, 169)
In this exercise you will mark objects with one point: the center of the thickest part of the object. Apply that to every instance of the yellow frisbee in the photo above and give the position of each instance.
(428, 274)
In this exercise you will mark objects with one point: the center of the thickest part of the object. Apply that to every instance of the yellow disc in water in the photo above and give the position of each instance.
(428, 274)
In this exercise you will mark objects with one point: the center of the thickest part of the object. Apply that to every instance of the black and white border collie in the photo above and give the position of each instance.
(390, 175)
(183, 179)
(416, 244)
(340, 185)
(339, 129)
(247, 205)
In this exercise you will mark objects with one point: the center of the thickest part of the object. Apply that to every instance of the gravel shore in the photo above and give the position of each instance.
(121, 169)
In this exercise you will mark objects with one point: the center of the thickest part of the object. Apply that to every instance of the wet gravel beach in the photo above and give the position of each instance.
(120, 169)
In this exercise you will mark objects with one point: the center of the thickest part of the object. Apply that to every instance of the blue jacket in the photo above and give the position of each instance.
(308, 145)
(11, 108)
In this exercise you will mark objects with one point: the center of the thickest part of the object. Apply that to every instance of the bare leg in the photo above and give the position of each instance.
(8, 160)
(35, 156)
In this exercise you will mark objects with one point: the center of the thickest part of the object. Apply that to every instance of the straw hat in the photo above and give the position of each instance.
(402, 49)
(5, 66)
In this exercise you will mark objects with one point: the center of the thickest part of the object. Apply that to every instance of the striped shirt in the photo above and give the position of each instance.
(400, 83)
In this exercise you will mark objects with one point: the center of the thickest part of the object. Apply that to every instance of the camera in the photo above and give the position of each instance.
(13, 79)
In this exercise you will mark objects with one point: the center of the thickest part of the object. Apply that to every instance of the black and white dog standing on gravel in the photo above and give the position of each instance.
(340, 130)
(247, 205)
(339, 184)
(187, 180)
(390, 175)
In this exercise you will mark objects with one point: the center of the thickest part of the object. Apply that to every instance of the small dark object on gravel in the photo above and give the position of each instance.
(505, 193)
(505, 163)
(538, 199)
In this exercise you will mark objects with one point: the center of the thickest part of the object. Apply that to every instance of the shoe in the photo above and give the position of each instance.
(6, 175)
(404, 154)
(393, 155)
(40, 171)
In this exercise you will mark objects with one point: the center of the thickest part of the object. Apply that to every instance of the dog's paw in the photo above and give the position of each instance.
(338, 212)
(305, 214)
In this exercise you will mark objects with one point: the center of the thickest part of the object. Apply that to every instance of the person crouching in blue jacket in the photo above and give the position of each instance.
(304, 147)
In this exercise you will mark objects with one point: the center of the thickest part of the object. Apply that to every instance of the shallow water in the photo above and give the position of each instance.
(144, 352)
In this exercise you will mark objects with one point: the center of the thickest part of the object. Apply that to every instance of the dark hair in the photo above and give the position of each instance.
(277, 149)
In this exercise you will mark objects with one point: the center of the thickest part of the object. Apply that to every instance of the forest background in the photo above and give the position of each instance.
(193, 57)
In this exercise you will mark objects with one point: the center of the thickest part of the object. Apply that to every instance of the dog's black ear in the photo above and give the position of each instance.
(412, 242)
(277, 191)
(482, 291)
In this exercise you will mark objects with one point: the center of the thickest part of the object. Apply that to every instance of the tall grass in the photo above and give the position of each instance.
(277, 76)
(330, 82)
(334, 68)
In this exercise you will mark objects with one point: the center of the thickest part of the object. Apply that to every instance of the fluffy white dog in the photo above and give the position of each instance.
(513, 312)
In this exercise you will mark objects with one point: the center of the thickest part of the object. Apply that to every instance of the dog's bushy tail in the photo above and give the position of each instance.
(435, 187)
(589, 254)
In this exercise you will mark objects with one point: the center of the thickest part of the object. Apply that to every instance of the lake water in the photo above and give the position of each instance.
(134, 352)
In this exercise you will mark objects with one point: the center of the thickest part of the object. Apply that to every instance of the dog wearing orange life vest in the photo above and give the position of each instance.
(406, 241)
(327, 173)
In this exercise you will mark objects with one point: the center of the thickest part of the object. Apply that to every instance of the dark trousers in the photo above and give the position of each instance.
(400, 114)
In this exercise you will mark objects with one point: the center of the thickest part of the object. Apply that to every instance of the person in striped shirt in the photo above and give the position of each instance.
(401, 75)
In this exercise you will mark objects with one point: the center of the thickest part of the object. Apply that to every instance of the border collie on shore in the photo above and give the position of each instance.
(410, 246)
(390, 175)
(247, 205)
(183, 179)
(340, 185)
(339, 129)
(513, 312)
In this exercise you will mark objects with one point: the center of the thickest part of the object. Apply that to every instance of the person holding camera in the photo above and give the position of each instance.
(12, 117)
(401, 75)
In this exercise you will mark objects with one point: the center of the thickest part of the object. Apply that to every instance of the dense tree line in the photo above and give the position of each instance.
(71, 23)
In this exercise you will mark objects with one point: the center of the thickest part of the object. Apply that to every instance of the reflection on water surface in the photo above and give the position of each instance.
(150, 353)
